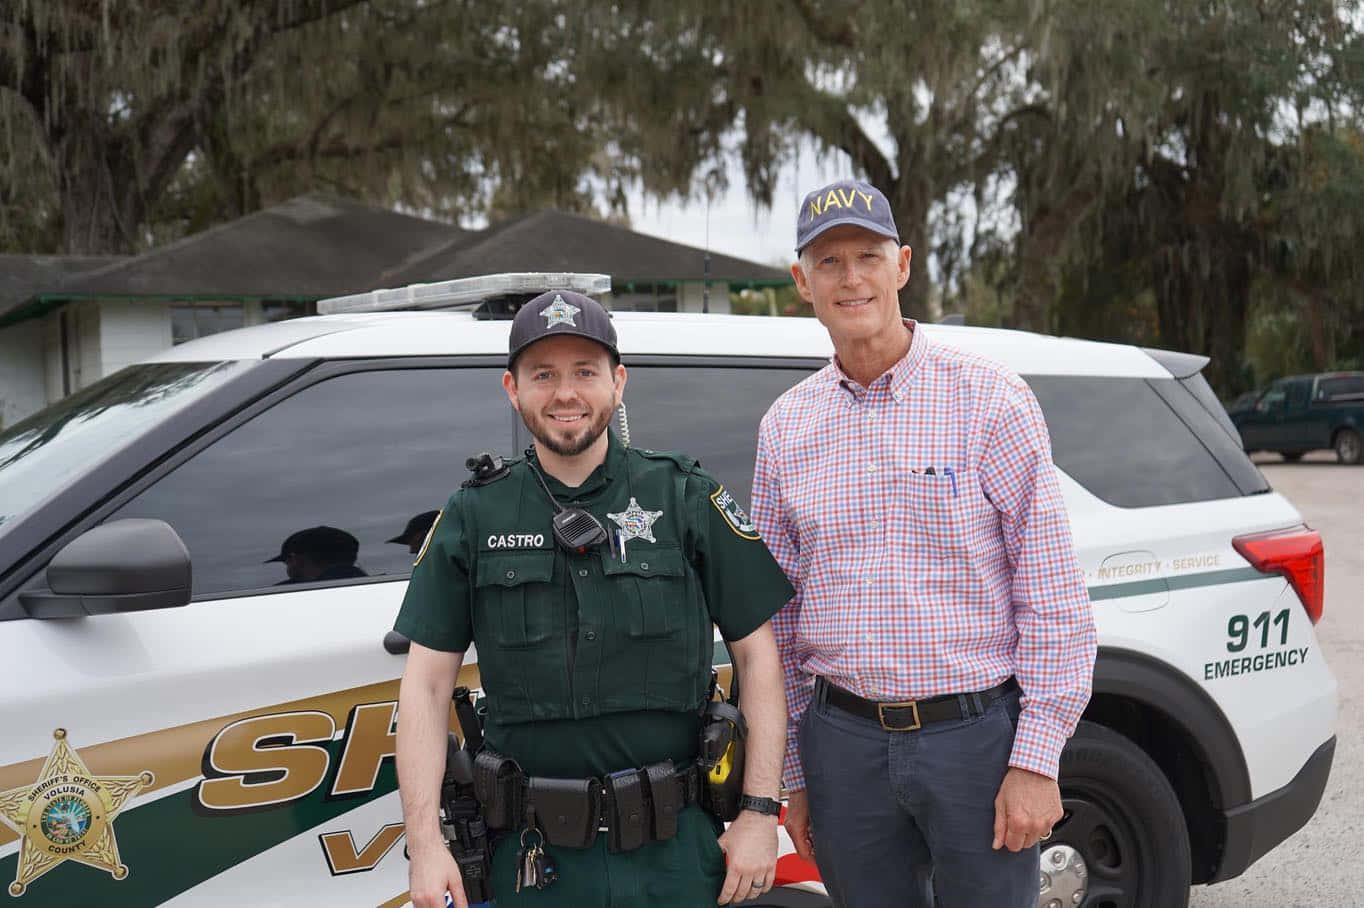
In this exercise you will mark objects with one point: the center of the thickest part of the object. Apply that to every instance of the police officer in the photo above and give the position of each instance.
(594, 649)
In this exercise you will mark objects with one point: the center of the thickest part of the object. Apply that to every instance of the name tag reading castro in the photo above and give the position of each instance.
(517, 541)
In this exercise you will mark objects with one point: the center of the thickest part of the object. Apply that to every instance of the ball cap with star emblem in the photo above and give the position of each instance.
(560, 312)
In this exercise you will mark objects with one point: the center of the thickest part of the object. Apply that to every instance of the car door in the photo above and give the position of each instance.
(1302, 426)
(1261, 426)
(250, 733)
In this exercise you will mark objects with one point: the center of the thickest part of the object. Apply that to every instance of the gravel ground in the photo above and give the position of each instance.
(1321, 865)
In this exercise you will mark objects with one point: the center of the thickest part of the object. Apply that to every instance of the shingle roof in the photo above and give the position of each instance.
(316, 246)
(309, 247)
(22, 276)
(557, 241)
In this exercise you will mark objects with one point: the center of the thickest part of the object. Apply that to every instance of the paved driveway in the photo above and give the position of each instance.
(1322, 864)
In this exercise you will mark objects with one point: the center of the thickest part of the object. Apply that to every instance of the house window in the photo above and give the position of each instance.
(278, 312)
(640, 297)
(192, 321)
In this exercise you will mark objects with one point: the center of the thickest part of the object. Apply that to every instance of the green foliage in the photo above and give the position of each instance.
(128, 124)
(1189, 175)
(770, 301)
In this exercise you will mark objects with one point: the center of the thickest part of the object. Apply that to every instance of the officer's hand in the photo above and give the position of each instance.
(798, 825)
(750, 847)
(1027, 806)
(432, 873)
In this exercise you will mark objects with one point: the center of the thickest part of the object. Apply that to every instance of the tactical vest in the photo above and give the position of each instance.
(565, 636)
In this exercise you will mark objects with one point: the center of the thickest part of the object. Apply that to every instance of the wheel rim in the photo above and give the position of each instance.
(1347, 447)
(1095, 845)
(1065, 878)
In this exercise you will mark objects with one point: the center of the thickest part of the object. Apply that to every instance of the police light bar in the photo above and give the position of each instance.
(465, 291)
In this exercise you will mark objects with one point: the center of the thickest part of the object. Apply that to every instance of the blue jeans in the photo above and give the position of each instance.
(899, 815)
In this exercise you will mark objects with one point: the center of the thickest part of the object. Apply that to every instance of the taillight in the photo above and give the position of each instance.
(1295, 553)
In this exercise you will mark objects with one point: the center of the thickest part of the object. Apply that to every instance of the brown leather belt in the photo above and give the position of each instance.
(911, 715)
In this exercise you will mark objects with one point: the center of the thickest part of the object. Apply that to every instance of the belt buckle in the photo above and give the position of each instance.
(904, 704)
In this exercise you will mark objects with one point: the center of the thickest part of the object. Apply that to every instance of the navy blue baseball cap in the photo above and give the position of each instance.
(320, 542)
(845, 202)
(560, 312)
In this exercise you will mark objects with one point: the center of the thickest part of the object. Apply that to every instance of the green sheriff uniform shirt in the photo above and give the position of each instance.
(593, 664)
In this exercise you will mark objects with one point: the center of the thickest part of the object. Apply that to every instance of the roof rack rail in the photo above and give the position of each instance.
(493, 295)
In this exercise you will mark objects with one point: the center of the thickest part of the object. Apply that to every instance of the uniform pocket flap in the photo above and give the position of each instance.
(515, 568)
(642, 562)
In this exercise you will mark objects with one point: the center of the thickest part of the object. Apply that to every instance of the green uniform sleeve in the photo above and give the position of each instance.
(436, 611)
(743, 584)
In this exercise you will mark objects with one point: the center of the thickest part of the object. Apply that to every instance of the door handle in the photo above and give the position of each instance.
(396, 643)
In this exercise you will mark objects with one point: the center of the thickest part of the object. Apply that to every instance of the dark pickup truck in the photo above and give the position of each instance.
(1304, 413)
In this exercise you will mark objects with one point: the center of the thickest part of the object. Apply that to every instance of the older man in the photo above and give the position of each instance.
(939, 647)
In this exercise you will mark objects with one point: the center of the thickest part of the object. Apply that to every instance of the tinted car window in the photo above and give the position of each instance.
(1341, 388)
(1273, 400)
(42, 454)
(1202, 392)
(1224, 446)
(1123, 442)
(709, 412)
(360, 454)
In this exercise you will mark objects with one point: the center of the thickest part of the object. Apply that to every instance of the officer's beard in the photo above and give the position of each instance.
(541, 428)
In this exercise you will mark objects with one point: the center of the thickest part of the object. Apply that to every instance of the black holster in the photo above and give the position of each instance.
(497, 785)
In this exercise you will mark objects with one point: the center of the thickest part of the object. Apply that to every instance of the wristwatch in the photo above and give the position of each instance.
(766, 806)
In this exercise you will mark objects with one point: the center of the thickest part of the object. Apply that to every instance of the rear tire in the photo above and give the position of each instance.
(1291, 456)
(1125, 822)
(1347, 445)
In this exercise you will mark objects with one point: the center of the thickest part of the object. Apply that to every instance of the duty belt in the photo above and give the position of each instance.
(632, 807)
(911, 715)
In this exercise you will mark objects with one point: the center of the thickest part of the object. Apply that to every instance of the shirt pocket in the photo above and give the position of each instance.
(943, 510)
(651, 588)
(514, 589)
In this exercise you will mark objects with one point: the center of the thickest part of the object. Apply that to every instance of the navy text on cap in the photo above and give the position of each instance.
(845, 202)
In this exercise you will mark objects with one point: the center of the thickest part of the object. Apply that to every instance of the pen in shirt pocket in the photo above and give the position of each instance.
(950, 473)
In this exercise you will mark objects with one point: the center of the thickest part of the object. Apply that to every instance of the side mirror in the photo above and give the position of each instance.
(123, 566)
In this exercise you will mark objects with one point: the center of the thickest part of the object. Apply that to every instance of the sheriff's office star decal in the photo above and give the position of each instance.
(734, 515)
(67, 815)
(635, 522)
(559, 313)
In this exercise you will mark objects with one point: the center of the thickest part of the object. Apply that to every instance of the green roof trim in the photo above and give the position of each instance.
(44, 303)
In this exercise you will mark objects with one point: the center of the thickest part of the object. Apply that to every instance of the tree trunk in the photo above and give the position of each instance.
(101, 207)
(1039, 249)
(1322, 355)
(1202, 287)
(909, 200)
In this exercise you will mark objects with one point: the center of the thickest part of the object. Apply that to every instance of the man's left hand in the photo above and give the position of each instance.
(1027, 806)
(750, 847)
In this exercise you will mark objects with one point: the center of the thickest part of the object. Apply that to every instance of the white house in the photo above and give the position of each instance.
(66, 322)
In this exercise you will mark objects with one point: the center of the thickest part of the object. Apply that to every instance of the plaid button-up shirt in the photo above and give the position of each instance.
(912, 583)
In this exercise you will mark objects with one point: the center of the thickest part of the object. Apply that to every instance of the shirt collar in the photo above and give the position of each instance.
(608, 469)
(898, 377)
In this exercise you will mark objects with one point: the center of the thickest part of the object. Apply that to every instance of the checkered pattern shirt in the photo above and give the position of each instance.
(911, 583)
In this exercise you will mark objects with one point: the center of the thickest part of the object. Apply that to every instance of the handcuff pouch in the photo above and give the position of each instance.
(568, 811)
